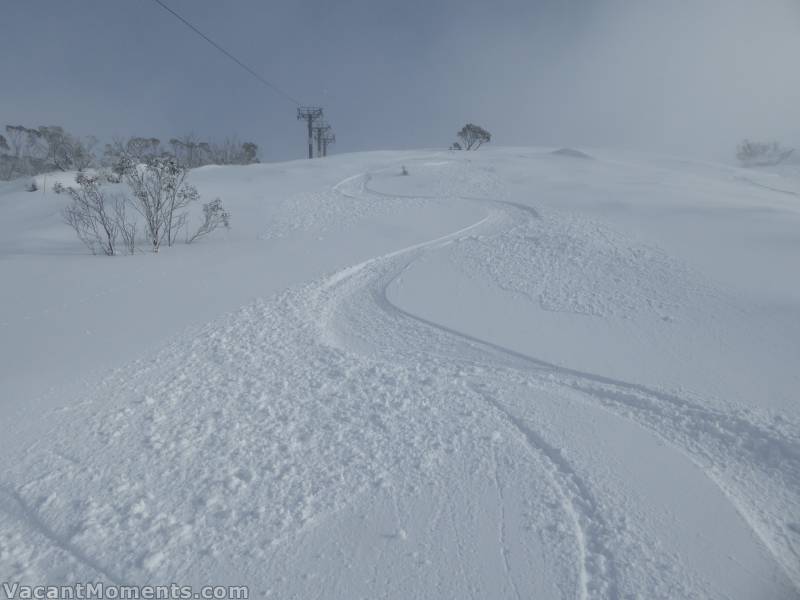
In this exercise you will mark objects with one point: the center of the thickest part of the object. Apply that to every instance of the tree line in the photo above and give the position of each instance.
(27, 151)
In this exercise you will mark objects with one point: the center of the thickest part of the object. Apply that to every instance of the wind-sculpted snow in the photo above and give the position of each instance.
(328, 442)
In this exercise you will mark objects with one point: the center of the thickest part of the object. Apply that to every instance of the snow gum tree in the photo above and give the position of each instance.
(473, 137)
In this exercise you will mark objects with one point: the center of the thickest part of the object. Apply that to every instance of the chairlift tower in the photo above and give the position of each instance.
(320, 130)
(328, 138)
(310, 114)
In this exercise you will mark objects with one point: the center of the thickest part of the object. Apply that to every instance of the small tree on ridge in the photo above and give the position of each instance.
(473, 136)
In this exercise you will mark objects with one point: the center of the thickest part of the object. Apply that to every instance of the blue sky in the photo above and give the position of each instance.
(678, 76)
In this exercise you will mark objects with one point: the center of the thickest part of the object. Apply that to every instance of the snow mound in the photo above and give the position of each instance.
(572, 153)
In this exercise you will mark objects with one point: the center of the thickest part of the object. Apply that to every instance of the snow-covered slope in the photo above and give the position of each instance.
(509, 374)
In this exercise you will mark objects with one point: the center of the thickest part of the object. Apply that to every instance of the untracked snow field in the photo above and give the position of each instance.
(513, 373)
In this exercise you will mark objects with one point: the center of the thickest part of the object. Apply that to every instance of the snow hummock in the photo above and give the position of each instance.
(505, 375)
(571, 153)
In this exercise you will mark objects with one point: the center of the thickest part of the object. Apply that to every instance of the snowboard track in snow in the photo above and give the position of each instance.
(729, 449)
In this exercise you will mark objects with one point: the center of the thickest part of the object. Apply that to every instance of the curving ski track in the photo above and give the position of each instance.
(745, 460)
(342, 390)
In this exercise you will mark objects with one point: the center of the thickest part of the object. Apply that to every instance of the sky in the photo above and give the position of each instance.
(684, 77)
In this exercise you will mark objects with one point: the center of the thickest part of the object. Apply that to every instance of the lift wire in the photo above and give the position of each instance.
(252, 72)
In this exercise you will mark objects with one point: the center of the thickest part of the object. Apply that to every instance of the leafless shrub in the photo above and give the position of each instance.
(91, 215)
(214, 217)
(161, 195)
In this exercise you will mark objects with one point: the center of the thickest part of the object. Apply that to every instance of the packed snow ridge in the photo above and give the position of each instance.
(509, 374)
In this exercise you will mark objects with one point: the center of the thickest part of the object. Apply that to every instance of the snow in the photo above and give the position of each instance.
(515, 373)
